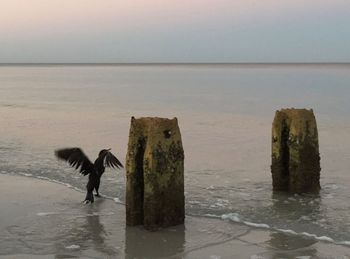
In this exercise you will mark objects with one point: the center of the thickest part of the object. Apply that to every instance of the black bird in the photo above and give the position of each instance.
(76, 158)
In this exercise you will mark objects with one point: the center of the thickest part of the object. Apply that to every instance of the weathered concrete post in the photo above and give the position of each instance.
(295, 152)
(155, 174)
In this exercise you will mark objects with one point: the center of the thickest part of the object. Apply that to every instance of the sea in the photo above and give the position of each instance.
(225, 114)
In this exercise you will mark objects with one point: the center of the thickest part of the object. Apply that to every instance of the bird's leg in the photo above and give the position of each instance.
(89, 198)
(89, 194)
(97, 186)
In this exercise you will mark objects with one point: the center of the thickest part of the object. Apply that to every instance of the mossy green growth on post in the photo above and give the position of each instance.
(155, 174)
(295, 152)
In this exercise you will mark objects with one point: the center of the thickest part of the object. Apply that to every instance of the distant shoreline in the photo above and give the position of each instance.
(248, 64)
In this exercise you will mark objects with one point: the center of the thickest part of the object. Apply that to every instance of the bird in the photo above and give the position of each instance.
(78, 160)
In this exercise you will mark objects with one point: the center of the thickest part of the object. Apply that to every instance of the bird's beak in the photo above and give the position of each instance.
(109, 149)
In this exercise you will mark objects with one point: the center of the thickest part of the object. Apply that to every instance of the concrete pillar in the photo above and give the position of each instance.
(155, 174)
(295, 152)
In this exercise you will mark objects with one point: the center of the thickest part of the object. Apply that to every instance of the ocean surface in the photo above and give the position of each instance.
(225, 113)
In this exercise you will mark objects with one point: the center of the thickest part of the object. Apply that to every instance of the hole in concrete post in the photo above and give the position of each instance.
(167, 133)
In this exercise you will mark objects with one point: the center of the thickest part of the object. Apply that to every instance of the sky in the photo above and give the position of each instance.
(114, 31)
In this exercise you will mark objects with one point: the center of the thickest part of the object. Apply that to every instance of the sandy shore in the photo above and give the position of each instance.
(40, 219)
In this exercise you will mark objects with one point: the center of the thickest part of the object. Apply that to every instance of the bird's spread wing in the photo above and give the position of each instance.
(109, 160)
(76, 158)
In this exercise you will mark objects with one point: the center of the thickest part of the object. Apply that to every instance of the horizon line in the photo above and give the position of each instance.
(166, 63)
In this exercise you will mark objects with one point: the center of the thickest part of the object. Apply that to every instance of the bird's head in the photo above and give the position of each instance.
(103, 151)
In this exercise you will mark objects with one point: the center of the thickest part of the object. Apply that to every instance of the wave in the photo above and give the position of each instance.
(115, 199)
(235, 217)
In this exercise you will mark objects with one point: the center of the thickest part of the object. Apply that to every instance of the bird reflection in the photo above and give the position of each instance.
(87, 231)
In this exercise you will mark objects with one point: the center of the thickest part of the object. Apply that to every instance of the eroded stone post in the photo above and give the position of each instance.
(155, 174)
(295, 151)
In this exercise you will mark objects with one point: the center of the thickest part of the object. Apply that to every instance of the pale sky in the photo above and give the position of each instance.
(174, 31)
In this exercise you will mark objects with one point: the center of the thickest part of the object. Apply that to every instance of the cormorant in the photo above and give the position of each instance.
(76, 158)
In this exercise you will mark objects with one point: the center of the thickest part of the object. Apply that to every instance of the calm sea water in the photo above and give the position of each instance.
(225, 114)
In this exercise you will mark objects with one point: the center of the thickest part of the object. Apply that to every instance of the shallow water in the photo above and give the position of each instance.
(225, 115)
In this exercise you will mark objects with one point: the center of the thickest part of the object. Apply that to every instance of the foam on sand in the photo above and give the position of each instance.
(235, 217)
(43, 214)
(73, 247)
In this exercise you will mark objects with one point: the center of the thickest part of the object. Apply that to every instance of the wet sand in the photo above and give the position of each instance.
(41, 219)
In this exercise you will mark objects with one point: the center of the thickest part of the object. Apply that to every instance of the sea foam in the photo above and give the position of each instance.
(72, 247)
(235, 217)
(42, 214)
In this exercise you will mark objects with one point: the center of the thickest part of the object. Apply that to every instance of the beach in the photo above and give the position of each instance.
(230, 118)
(225, 115)
(41, 219)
